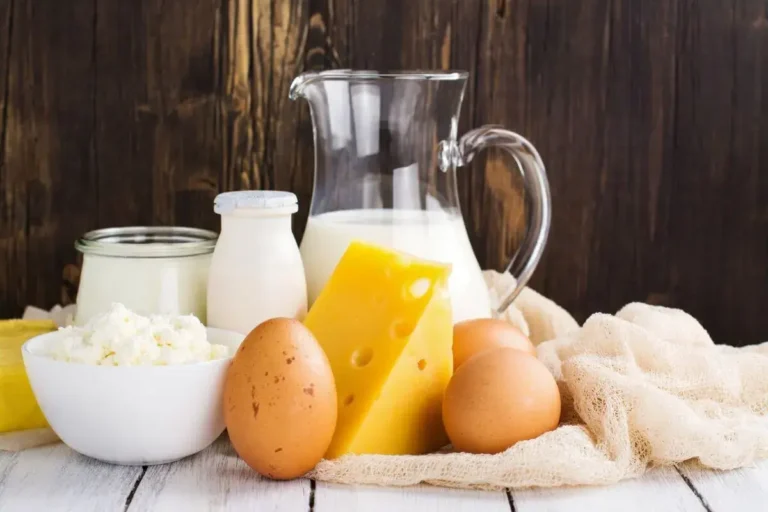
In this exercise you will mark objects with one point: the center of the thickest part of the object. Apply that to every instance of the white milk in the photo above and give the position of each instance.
(256, 273)
(434, 235)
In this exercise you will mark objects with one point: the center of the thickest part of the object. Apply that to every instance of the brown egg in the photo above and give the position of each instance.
(472, 337)
(280, 400)
(498, 398)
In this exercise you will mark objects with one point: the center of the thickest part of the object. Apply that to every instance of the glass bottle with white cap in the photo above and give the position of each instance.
(256, 272)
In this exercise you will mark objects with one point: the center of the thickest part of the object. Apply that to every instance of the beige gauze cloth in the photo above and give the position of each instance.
(646, 386)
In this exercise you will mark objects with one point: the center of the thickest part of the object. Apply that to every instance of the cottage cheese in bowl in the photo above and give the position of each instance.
(121, 337)
(133, 389)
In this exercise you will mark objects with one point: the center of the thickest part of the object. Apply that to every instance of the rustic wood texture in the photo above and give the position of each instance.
(56, 478)
(651, 117)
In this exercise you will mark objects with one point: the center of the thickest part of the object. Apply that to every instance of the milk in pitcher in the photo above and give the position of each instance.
(435, 235)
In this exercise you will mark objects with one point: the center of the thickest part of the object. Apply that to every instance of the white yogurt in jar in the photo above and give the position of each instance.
(151, 270)
(256, 272)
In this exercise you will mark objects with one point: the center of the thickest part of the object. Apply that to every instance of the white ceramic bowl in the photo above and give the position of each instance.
(131, 415)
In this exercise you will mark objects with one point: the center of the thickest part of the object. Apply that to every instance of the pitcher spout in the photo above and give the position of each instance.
(305, 81)
(300, 84)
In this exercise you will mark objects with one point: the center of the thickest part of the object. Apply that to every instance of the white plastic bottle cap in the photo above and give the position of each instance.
(228, 202)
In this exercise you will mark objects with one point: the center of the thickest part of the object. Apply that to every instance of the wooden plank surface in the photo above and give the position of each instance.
(216, 479)
(54, 478)
(745, 490)
(422, 498)
(651, 118)
(660, 489)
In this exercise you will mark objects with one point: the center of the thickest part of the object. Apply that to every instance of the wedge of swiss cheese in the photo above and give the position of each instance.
(384, 321)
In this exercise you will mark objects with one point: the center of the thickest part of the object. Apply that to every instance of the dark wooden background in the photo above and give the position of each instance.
(651, 115)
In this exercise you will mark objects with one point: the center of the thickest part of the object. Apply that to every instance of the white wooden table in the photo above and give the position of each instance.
(54, 478)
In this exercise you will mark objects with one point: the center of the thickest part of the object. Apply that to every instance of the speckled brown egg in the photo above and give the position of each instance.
(471, 337)
(280, 400)
(498, 398)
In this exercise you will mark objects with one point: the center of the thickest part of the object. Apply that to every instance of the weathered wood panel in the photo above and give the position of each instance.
(56, 478)
(12, 202)
(336, 497)
(53, 477)
(650, 117)
(48, 170)
(215, 479)
(659, 489)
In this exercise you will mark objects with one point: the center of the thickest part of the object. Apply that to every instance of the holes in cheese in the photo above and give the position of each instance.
(402, 329)
(349, 399)
(362, 356)
(417, 289)
(422, 364)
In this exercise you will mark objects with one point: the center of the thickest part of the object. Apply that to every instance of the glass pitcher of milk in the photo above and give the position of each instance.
(386, 154)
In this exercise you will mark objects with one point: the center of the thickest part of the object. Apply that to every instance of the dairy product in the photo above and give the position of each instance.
(151, 270)
(384, 321)
(149, 285)
(121, 337)
(18, 407)
(256, 273)
(434, 235)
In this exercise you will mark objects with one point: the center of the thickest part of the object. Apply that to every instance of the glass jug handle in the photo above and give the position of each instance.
(537, 191)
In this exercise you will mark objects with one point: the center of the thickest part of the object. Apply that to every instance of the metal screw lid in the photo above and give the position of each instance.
(147, 242)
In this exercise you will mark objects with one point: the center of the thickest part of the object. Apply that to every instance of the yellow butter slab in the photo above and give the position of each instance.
(384, 320)
(18, 407)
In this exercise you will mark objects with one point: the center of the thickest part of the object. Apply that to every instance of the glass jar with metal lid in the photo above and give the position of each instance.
(148, 269)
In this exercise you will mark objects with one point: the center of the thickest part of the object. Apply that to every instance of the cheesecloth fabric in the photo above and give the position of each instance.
(646, 386)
